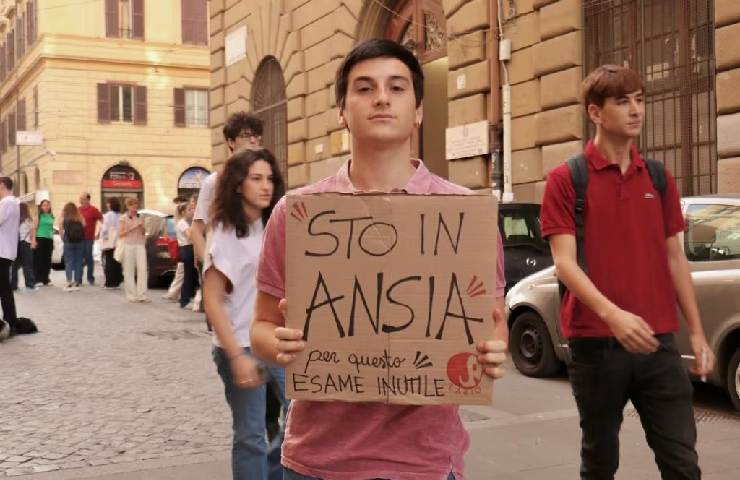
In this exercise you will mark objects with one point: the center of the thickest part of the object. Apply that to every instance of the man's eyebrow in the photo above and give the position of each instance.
(366, 78)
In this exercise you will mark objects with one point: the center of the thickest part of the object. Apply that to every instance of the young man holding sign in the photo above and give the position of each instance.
(379, 94)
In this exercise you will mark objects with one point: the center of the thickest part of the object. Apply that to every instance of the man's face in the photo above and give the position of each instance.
(246, 139)
(380, 105)
(84, 200)
(620, 116)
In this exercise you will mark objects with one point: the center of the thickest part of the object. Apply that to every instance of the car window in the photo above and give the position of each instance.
(171, 227)
(521, 228)
(712, 233)
(153, 226)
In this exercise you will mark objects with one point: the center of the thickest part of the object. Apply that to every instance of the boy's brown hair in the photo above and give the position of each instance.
(609, 81)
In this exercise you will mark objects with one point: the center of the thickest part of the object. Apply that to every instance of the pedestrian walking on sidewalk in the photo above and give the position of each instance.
(613, 220)
(108, 239)
(190, 274)
(26, 246)
(9, 226)
(92, 216)
(135, 272)
(246, 192)
(175, 288)
(44, 243)
(72, 232)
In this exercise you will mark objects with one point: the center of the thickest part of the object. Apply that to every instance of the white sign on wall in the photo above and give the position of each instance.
(29, 138)
(468, 140)
(235, 45)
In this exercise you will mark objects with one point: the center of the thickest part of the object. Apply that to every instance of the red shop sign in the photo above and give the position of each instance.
(127, 184)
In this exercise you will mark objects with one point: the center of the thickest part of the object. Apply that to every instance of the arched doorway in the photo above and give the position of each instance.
(421, 27)
(270, 104)
(122, 181)
(190, 181)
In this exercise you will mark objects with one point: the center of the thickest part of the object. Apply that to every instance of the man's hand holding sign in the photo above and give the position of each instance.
(392, 299)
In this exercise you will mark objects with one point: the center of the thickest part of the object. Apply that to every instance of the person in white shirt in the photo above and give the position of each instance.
(190, 274)
(175, 288)
(242, 130)
(9, 230)
(109, 238)
(246, 192)
(26, 246)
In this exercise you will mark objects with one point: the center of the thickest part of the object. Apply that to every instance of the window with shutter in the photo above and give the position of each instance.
(179, 103)
(21, 108)
(112, 22)
(103, 103)
(195, 22)
(186, 7)
(115, 104)
(196, 108)
(10, 50)
(31, 21)
(140, 105)
(21, 37)
(36, 107)
(3, 63)
(11, 129)
(137, 14)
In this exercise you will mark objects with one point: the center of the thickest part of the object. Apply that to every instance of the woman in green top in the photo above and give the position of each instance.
(44, 242)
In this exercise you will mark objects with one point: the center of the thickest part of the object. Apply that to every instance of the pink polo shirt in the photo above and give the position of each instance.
(361, 441)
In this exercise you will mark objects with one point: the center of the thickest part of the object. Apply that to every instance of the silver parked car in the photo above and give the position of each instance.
(712, 246)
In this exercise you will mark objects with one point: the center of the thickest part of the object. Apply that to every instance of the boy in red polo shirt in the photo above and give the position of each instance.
(379, 93)
(620, 317)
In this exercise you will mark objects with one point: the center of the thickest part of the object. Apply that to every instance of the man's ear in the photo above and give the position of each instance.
(419, 115)
(231, 144)
(340, 117)
(594, 113)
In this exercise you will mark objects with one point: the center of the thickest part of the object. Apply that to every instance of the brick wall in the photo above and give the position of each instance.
(727, 34)
(545, 73)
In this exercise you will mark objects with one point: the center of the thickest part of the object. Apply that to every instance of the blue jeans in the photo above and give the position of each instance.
(73, 253)
(291, 475)
(23, 260)
(250, 457)
(88, 260)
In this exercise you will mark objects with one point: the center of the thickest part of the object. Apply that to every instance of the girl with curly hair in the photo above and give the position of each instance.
(246, 192)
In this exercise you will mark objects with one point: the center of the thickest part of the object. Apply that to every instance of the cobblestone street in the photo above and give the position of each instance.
(105, 382)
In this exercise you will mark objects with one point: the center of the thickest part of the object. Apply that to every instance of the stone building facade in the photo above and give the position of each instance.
(279, 57)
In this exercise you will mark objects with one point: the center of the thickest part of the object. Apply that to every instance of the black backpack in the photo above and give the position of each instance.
(579, 176)
(75, 232)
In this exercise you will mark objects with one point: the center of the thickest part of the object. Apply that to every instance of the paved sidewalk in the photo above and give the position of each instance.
(107, 382)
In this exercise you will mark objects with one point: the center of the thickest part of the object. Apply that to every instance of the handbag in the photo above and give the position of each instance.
(118, 252)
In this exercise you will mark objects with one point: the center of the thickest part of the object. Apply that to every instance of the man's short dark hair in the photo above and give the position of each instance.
(240, 122)
(7, 181)
(379, 48)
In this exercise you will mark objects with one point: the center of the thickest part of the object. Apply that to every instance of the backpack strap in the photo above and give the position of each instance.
(579, 176)
(656, 169)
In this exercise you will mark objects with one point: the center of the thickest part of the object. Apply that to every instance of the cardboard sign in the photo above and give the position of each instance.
(392, 292)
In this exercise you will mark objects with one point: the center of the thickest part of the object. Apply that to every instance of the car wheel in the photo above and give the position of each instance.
(531, 347)
(733, 379)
